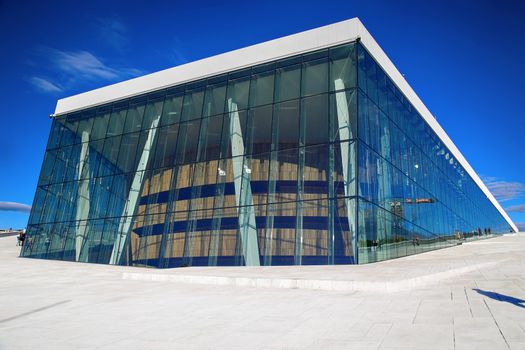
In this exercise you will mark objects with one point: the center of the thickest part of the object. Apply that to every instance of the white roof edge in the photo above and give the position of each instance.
(375, 50)
(310, 40)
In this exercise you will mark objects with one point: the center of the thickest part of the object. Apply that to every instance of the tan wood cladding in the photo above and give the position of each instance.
(198, 244)
(276, 241)
(206, 173)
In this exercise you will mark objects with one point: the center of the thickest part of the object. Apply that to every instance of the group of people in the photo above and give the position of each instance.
(21, 238)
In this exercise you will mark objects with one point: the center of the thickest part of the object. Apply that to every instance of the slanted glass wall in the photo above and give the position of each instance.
(313, 159)
(414, 195)
(254, 167)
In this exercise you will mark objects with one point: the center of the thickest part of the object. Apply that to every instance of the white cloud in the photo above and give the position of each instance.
(45, 85)
(521, 226)
(520, 208)
(71, 68)
(84, 64)
(13, 206)
(112, 31)
(178, 57)
(504, 190)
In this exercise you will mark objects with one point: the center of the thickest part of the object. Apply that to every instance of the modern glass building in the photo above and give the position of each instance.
(308, 149)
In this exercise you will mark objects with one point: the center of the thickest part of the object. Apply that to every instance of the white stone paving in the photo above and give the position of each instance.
(466, 297)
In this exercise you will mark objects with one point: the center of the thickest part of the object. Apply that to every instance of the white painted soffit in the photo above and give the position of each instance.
(310, 40)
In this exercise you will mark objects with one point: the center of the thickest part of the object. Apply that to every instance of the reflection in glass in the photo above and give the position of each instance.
(312, 159)
(287, 83)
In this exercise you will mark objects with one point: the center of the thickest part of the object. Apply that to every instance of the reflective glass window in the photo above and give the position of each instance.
(152, 114)
(210, 137)
(342, 67)
(258, 134)
(55, 134)
(315, 77)
(116, 122)
(129, 146)
(214, 100)
(286, 124)
(261, 89)
(343, 115)
(237, 95)
(100, 126)
(84, 129)
(314, 122)
(287, 83)
(172, 109)
(192, 105)
(187, 142)
(134, 118)
(164, 155)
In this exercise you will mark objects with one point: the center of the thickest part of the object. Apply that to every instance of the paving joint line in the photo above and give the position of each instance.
(454, 332)
(496, 322)
(417, 310)
(34, 311)
(468, 302)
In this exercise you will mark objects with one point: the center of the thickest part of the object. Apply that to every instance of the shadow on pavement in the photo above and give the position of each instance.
(501, 297)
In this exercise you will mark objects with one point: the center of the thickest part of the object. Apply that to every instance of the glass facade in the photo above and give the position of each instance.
(313, 159)
(414, 196)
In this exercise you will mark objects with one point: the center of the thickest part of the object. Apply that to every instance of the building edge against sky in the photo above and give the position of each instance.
(310, 40)
(282, 186)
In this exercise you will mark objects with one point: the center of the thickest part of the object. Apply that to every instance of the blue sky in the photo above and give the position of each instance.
(464, 59)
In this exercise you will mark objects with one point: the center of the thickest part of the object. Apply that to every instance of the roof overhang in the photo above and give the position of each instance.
(310, 40)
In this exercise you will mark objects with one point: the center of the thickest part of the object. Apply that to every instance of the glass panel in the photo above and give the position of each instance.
(172, 109)
(84, 130)
(116, 122)
(54, 135)
(343, 116)
(69, 132)
(257, 167)
(128, 150)
(343, 230)
(288, 83)
(238, 91)
(315, 77)
(110, 154)
(134, 118)
(342, 67)
(187, 142)
(286, 125)
(258, 135)
(100, 126)
(261, 89)
(284, 167)
(192, 106)
(210, 137)
(152, 113)
(314, 122)
(47, 167)
(315, 172)
(164, 155)
(214, 101)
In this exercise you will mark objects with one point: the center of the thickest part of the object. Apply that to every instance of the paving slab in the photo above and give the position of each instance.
(464, 297)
